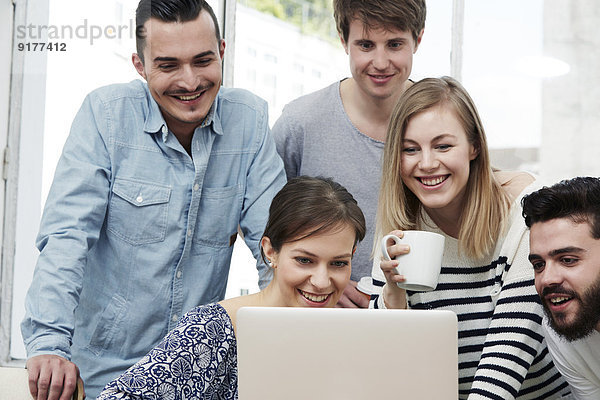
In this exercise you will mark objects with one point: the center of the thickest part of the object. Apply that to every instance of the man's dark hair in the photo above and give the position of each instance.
(577, 199)
(169, 11)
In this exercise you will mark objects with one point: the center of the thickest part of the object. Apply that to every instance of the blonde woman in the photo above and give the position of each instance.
(437, 177)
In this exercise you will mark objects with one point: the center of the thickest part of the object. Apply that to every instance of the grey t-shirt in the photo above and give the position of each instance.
(315, 137)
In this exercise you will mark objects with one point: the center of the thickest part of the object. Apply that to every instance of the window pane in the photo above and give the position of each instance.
(532, 68)
(501, 50)
(285, 56)
(432, 58)
(288, 48)
(571, 91)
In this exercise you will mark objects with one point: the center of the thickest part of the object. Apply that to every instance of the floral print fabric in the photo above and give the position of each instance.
(196, 360)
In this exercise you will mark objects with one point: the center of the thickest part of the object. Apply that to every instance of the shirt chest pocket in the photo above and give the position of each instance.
(138, 211)
(218, 217)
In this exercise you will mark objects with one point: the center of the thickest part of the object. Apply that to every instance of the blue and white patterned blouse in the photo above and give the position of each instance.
(196, 360)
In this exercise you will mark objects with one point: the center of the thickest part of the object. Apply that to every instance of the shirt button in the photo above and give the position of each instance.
(139, 199)
(175, 318)
(165, 129)
(179, 274)
(196, 187)
(190, 233)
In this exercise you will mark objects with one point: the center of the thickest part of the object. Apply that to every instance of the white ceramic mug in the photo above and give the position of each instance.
(422, 264)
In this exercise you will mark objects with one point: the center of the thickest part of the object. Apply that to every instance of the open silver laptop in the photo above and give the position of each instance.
(346, 354)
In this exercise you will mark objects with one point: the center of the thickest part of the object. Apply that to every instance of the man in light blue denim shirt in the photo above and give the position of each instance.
(152, 184)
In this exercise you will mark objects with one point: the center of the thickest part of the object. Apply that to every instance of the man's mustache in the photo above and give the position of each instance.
(559, 290)
(200, 88)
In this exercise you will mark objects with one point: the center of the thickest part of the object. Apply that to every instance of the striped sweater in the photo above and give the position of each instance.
(501, 349)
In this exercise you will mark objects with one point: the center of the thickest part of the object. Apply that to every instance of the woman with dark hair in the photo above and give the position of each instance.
(313, 228)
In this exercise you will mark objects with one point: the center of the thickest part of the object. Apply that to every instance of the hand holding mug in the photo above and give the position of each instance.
(391, 250)
(419, 266)
(393, 295)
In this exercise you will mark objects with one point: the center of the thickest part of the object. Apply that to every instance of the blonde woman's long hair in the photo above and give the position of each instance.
(486, 205)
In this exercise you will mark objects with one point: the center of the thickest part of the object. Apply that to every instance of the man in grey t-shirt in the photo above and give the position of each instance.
(339, 131)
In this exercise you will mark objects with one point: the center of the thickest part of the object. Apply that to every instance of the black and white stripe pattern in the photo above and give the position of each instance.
(502, 352)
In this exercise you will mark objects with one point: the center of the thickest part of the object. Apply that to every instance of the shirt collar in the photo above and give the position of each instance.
(214, 116)
(155, 123)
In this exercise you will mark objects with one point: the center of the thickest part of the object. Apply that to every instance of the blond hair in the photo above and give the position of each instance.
(486, 204)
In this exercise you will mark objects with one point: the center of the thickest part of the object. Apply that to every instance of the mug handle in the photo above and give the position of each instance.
(384, 240)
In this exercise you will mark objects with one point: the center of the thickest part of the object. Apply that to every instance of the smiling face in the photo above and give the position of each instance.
(312, 272)
(566, 261)
(380, 60)
(435, 160)
(182, 65)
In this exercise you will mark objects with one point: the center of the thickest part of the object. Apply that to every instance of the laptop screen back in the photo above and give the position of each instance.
(349, 354)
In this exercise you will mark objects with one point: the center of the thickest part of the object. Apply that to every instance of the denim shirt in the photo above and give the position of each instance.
(135, 232)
